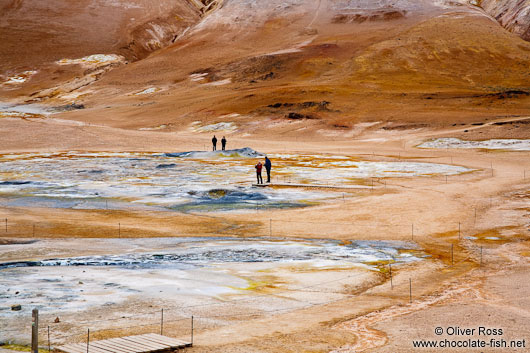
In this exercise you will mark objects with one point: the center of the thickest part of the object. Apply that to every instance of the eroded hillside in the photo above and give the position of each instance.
(294, 66)
(37, 35)
(514, 15)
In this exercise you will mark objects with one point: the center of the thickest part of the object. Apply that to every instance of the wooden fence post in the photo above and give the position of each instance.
(162, 323)
(410, 289)
(391, 283)
(34, 330)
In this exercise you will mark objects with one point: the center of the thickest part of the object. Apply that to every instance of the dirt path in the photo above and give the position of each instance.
(317, 12)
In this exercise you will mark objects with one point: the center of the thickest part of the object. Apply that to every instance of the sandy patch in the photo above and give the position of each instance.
(493, 144)
(227, 126)
(19, 78)
(93, 60)
(147, 91)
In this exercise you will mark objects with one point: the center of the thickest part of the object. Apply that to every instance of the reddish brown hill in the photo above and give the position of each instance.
(322, 63)
(514, 15)
(36, 32)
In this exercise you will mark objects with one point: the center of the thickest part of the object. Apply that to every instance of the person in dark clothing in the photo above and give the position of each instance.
(223, 143)
(258, 167)
(268, 167)
(214, 143)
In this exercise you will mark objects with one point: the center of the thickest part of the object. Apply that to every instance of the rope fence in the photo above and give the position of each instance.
(183, 314)
(271, 227)
(49, 334)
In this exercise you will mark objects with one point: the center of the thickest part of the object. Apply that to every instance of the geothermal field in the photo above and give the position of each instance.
(397, 217)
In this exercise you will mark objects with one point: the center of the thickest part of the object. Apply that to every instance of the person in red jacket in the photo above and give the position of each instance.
(258, 167)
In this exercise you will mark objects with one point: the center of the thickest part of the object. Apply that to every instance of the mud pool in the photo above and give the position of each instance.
(62, 277)
(494, 144)
(186, 181)
(348, 170)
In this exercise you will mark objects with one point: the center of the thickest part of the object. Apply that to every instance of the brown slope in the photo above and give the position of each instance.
(35, 34)
(335, 62)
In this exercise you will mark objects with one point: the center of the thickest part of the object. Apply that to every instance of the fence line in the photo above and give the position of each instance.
(181, 309)
(309, 304)
(157, 325)
(267, 229)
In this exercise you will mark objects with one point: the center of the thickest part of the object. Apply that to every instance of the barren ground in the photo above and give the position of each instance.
(324, 77)
(376, 318)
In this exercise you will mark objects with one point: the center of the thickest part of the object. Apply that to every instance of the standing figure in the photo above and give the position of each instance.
(258, 167)
(223, 143)
(268, 167)
(214, 143)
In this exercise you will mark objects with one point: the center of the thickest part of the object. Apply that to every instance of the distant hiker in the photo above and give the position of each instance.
(214, 143)
(268, 167)
(223, 143)
(258, 167)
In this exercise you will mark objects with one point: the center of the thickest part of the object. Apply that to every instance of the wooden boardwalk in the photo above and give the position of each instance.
(150, 342)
